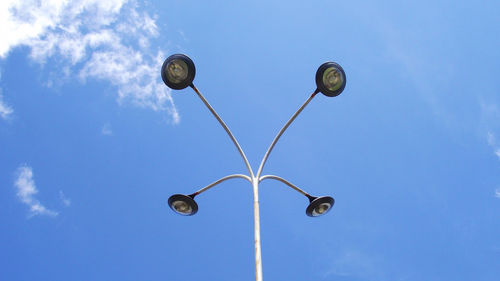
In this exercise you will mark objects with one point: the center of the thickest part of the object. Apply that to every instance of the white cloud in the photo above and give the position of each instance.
(491, 139)
(26, 191)
(106, 40)
(5, 110)
(357, 265)
(65, 200)
(493, 143)
(106, 130)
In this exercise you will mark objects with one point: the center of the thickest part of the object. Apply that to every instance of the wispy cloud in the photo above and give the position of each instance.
(356, 264)
(106, 130)
(26, 191)
(491, 139)
(65, 200)
(490, 116)
(5, 110)
(106, 40)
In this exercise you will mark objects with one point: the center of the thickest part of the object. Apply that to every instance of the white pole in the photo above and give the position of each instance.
(254, 179)
(258, 256)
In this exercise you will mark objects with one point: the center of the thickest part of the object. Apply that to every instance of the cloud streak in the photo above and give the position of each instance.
(91, 39)
(106, 130)
(492, 142)
(65, 200)
(357, 265)
(5, 110)
(26, 191)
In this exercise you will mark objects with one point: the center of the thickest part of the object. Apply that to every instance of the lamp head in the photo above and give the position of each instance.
(330, 79)
(178, 71)
(183, 204)
(319, 205)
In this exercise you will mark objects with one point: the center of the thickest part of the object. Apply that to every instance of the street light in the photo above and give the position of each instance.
(330, 79)
(183, 204)
(178, 72)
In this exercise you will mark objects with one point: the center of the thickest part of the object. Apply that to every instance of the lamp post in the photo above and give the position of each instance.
(178, 72)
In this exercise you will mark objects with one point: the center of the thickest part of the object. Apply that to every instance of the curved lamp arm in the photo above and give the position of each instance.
(225, 128)
(285, 182)
(221, 180)
(282, 131)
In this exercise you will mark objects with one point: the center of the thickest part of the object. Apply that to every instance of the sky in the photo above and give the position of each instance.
(92, 143)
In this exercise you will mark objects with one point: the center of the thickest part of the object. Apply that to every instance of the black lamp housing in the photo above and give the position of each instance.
(319, 205)
(327, 73)
(183, 204)
(178, 71)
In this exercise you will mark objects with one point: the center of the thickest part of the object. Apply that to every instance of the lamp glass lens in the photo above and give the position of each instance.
(321, 209)
(182, 207)
(332, 79)
(177, 71)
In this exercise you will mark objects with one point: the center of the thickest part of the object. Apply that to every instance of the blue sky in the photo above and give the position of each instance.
(92, 143)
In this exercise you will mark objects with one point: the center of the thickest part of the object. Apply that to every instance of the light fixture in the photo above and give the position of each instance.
(319, 205)
(330, 79)
(178, 71)
(183, 204)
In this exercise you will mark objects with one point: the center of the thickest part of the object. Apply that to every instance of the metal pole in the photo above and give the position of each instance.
(273, 177)
(256, 215)
(264, 159)
(254, 179)
(230, 134)
(222, 180)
